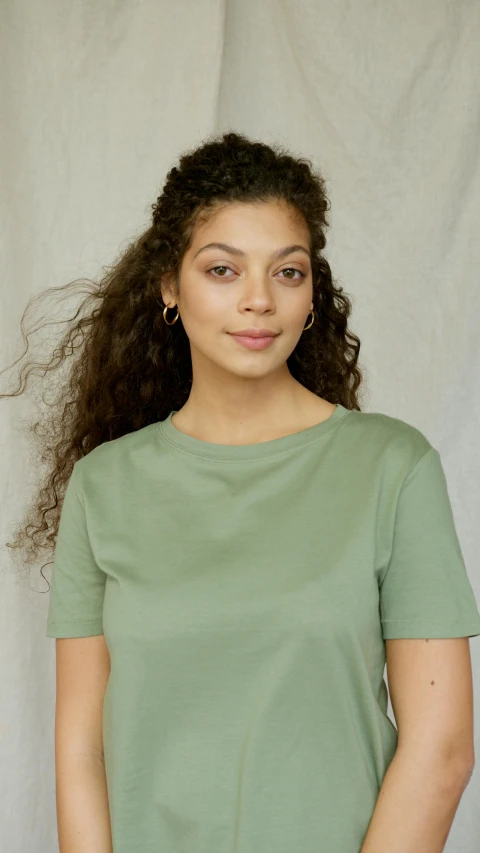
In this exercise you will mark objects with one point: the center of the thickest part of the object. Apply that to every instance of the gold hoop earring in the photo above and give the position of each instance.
(165, 315)
(310, 324)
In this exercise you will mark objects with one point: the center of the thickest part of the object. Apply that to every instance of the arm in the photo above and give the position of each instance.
(83, 819)
(430, 684)
(416, 805)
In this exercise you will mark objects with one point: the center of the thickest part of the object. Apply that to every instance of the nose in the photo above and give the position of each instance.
(257, 294)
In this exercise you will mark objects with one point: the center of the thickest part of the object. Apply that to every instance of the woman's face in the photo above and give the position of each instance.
(224, 291)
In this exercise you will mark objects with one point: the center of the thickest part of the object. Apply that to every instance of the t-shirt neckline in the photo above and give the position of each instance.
(262, 449)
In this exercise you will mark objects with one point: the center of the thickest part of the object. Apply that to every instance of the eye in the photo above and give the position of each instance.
(219, 268)
(293, 269)
(288, 269)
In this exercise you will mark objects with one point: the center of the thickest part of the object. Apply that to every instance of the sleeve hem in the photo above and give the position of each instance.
(393, 629)
(75, 628)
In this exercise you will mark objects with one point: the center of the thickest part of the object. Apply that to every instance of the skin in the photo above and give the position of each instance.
(242, 396)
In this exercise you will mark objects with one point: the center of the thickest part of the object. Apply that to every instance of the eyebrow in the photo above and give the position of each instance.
(232, 250)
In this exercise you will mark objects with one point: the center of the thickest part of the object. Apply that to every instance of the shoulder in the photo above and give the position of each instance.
(396, 441)
(115, 459)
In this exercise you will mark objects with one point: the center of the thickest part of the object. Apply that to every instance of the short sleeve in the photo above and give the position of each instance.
(425, 591)
(78, 584)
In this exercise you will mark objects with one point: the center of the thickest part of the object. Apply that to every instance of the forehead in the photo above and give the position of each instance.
(254, 224)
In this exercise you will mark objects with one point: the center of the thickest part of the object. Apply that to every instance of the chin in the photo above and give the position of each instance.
(250, 371)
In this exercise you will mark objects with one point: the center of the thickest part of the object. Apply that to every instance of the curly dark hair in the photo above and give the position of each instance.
(126, 367)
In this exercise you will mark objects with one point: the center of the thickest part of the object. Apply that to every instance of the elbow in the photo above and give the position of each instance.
(459, 770)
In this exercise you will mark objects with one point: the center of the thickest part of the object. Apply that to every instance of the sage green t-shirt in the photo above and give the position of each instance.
(245, 593)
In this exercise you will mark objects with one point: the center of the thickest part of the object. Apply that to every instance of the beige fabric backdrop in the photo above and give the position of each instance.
(97, 101)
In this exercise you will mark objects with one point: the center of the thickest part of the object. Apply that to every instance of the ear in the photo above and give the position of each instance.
(167, 289)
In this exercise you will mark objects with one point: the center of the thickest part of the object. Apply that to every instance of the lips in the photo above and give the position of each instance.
(255, 333)
(254, 339)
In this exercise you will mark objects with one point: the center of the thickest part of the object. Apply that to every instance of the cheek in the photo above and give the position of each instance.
(201, 308)
(293, 309)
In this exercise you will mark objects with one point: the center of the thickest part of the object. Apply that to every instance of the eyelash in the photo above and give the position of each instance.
(224, 267)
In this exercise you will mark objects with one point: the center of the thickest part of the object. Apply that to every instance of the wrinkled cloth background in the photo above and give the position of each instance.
(97, 101)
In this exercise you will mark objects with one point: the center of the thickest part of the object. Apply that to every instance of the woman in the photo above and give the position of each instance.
(241, 549)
